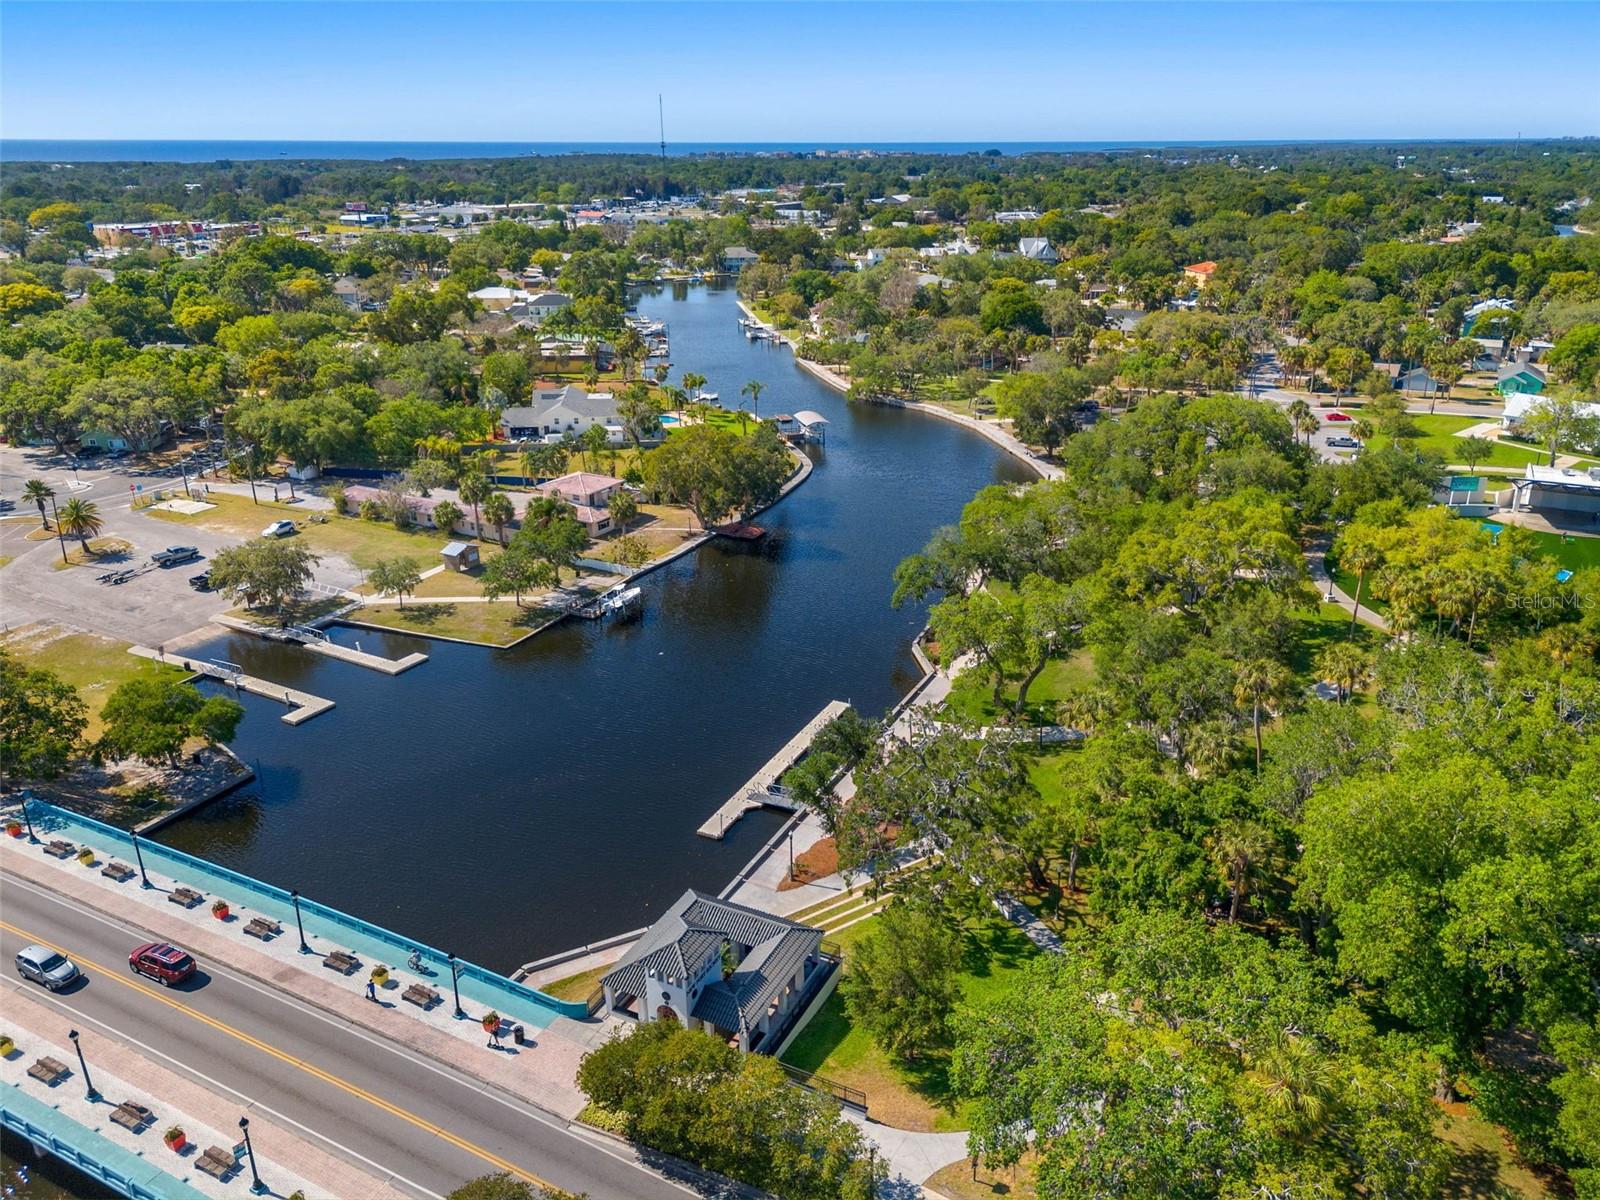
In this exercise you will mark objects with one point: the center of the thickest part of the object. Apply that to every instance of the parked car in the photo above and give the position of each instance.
(1339, 416)
(278, 529)
(46, 967)
(1344, 443)
(163, 962)
(175, 556)
(201, 582)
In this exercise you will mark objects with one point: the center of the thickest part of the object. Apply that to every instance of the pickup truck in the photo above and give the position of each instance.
(174, 556)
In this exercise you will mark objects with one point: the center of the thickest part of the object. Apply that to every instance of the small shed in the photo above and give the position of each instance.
(460, 556)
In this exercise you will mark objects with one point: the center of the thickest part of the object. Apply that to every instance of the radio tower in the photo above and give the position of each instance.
(661, 117)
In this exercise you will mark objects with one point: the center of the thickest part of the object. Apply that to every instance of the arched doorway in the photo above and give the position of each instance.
(666, 1013)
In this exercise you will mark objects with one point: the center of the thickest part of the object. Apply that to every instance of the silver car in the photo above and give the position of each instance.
(45, 967)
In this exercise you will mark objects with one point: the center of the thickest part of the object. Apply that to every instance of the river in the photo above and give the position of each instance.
(504, 805)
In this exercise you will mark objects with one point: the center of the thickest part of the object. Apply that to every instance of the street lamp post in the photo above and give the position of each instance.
(791, 854)
(33, 838)
(139, 855)
(256, 1186)
(89, 1093)
(455, 988)
(298, 923)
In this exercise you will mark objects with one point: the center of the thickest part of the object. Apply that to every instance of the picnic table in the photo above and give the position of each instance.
(48, 1070)
(119, 871)
(187, 897)
(217, 1162)
(261, 927)
(132, 1116)
(341, 962)
(60, 849)
(420, 994)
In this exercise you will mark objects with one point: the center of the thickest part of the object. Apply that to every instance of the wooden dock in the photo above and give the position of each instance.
(758, 790)
(302, 706)
(318, 643)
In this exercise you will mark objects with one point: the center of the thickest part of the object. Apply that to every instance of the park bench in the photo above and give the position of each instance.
(217, 1162)
(47, 1070)
(341, 962)
(60, 849)
(132, 1116)
(121, 872)
(262, 928)
(187, 897)
(420, 994)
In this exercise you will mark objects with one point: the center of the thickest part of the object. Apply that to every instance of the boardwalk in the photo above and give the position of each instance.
(317, 642)
(302, 705)
(755, 793)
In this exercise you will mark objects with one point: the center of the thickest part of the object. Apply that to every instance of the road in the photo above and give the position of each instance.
(356, 1095)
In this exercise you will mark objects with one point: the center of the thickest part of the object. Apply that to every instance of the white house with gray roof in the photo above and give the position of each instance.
(742, 975)
(556, 411)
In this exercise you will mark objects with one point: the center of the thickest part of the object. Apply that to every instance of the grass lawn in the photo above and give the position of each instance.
(915, 1095)
(102, 552)
(93, 664)
(1483, 1165)
(1439, 437)
(1574, 553)
(972, 698)
(496, 623)
(362, 542)
(959, 1181)
(577, 987)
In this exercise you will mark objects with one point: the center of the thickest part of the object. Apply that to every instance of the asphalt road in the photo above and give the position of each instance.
(384, 1107)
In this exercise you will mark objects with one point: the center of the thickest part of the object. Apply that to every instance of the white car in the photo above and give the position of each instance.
(278, 529)
(45, 967)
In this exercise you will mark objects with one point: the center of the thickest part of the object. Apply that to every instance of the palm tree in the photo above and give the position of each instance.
(80, 519)
(1297, 412)
(474, 489)
(1296, 1081)
(446, 517)
(1259, 682)
(499, 511)
(1346, 666)
(1241, 851)
(1308, 425)
(693, 382)
(753, 389)
(1358, 556)
(38, 491)
(1363, 431)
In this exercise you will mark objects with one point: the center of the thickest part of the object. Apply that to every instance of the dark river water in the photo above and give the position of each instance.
(505, 805)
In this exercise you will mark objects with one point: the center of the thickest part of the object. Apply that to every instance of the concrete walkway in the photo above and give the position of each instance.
(912, 1157)
(1316, 552)
(286, 1160)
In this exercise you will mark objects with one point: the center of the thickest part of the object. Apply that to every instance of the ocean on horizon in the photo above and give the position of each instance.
(290, 150)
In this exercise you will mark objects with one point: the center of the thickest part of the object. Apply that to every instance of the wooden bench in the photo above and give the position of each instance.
(60, 849)
(261, 927)
(420, 994)
(48, 1070)
(217, 1162)
(187, 897)
(121, 872)
(132, 1116)
(341, 962)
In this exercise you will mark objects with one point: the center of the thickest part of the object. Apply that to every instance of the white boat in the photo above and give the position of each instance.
(708, 397)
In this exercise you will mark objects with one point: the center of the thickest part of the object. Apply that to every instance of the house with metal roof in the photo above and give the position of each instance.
(556, 411)
(739, 974)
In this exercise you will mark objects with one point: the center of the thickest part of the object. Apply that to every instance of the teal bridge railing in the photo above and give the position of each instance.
(512, 1000)
(121, 1170)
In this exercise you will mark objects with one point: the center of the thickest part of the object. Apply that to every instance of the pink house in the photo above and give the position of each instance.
(589, 495)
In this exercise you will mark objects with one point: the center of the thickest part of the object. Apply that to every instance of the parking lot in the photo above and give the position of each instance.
(155, 606)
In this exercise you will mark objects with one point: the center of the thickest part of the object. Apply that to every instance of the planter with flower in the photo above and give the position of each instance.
(175, 1139)
(380, 975)
(86, 857)
(220, 910)
(14, 828)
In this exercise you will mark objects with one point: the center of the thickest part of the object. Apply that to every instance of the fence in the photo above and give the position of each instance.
(514, 1000)
(854, 1097)
(89, 1152)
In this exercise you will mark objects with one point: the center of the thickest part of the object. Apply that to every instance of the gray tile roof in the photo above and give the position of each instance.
(690, 935)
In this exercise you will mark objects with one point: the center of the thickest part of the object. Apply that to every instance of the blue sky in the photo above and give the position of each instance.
(768, 71)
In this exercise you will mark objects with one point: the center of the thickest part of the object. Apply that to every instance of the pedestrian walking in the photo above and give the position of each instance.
(372, 991)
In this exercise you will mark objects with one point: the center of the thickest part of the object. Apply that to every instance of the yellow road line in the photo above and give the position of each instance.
(283, 1056)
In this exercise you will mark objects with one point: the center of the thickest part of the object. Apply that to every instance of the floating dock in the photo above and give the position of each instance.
(763, 790)
(318, 642)
(302, 706)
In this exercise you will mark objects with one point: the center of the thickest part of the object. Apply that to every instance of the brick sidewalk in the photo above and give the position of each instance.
(542, 1072)
(286, 1161)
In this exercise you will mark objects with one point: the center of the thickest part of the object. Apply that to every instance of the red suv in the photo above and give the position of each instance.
(167, 965)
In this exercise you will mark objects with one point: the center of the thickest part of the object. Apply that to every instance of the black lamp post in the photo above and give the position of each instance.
(89, 1093)
(256, 1186)
(455, 988)
(33, 838)
(139, 855)
(298, 924)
